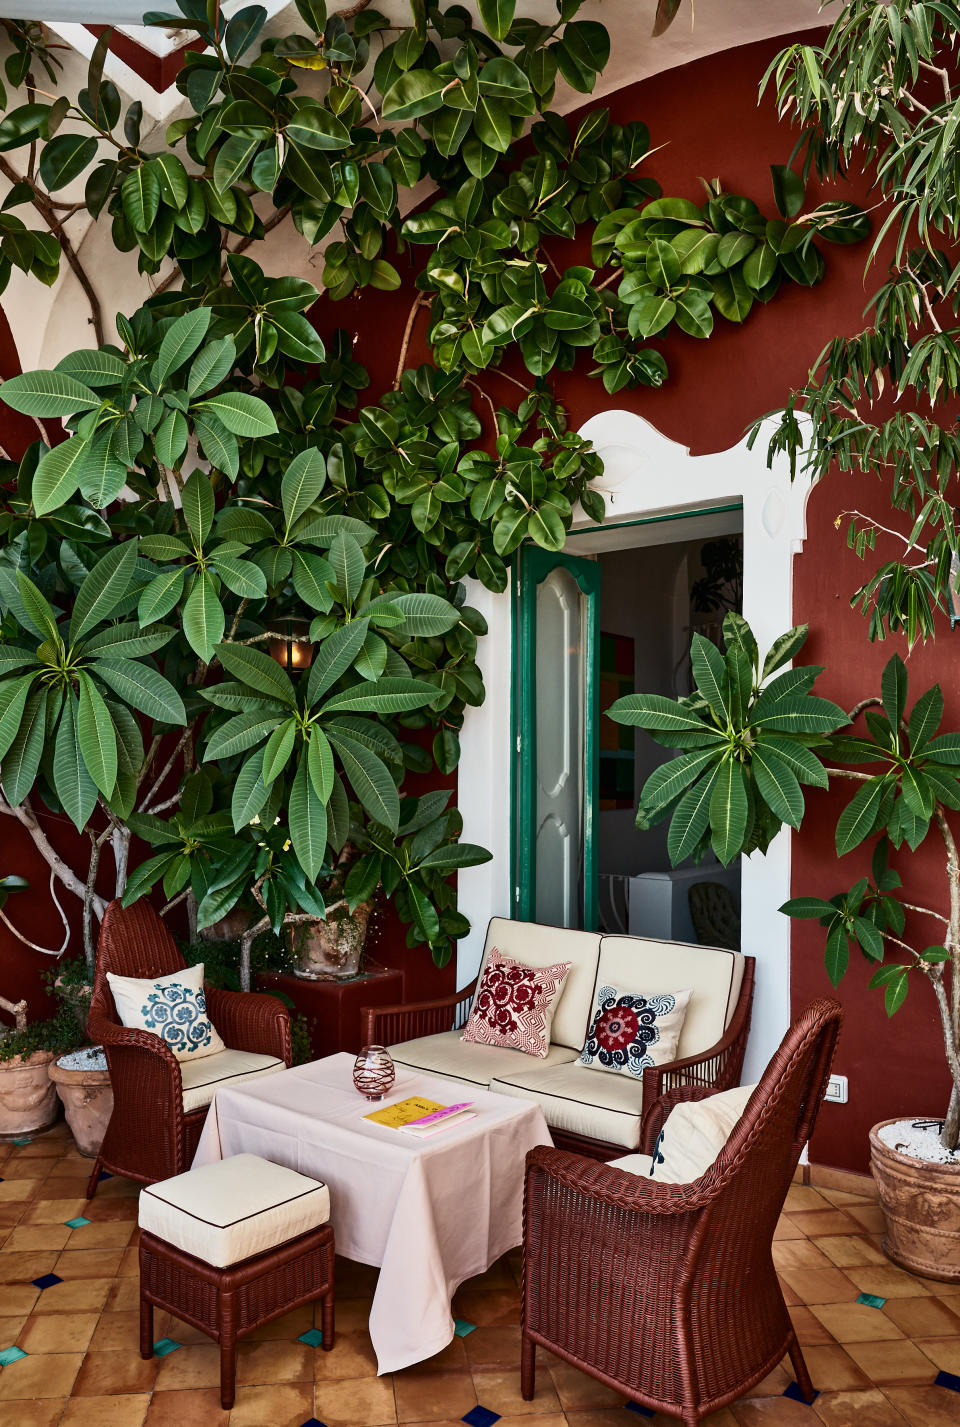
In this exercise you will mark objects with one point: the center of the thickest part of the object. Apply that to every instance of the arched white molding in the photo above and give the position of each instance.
(646, 474)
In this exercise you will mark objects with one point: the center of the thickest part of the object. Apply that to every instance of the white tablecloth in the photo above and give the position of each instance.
(430, 1213)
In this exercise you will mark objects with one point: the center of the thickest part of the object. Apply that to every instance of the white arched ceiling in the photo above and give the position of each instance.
(646, 474)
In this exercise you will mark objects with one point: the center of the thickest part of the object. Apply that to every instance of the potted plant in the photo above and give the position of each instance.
(750, 737)
(28, 1098)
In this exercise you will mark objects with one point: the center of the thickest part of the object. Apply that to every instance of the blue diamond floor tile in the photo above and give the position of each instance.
(793, 1391)
(948, 1379)
(313, 1422)
(78, 1223)
(11, 1355)
(163, 1346)
(481, 1417)
(871, 1300)
(638, 1409)
(313, 1337)
(46, 1280)
(461, 1327)
(104, 1174)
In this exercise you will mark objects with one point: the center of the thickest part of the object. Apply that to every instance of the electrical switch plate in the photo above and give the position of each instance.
(837, 1089)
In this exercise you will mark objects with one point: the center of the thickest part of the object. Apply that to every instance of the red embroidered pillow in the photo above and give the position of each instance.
(514, 1004)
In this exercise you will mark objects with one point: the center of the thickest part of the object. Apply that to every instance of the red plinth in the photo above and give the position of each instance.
(332, 1008)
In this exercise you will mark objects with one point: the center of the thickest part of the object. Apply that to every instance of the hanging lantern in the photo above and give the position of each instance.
(295, 649)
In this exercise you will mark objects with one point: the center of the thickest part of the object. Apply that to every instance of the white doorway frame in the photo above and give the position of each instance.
(647, 476)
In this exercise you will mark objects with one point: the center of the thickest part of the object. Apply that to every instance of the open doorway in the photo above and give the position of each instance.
(653, 599)
(615, 614)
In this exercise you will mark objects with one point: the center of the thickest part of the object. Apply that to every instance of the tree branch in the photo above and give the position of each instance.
(25, 815)
(421, 301)
(44, 206)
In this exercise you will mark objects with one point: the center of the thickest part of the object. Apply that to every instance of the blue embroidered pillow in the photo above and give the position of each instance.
(172, 1007)
(630, 1031)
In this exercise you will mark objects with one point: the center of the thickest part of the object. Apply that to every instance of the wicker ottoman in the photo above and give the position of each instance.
(229, 1247)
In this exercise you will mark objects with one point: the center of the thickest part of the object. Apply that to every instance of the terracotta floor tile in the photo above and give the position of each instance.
(774, 1382)
(809, 1329)
(870, 1216)
(124, 1295)
(110, 1211)
(89, 1263)
(275, 1362)
(17, 1188)
(80, 1295)
(421, 1397)
(29, 1237)
(800, 1198)
(352, 1315)
(20, 1268)
(194, 1366)
(786, 1229)
(290, 1326)
(199, 1407)
(57, 1332)
(924, 1317)
(856, 1322)
(19, 1298)
(945, 1352)
(361, 1402)
(798, 1253)
(120, 1332)
(538, 1419)
(774, 1412)
(39, 1375)
(495, 1310)
(352, 1356)
(819, 1285)
(278, 1406)
(925, 1406)
(11, 1326)
(110, 1235)
(501, 1393)
(841, 1197)
(106, 1374)
(45, 1412)
(127, 1411)
(825, 1221)
(54, 1211)
(493, 1349)
(573, 1387)
(857, 1409)
(887, 1362)
(833, 1370)
(848, 1250)
(886, 1281)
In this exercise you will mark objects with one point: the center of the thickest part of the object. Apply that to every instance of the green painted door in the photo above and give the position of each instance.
(556, 651)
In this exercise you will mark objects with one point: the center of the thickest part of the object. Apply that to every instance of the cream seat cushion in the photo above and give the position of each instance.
(447, 1055)
(234, 1208)
(573, 1098)
(693, 1135)
(537, 945)
(201, 1078)
(714, 975)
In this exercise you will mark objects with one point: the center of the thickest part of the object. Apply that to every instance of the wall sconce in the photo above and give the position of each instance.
(295, 650)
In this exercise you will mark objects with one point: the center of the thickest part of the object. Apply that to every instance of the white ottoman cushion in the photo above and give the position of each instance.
(234, 1208)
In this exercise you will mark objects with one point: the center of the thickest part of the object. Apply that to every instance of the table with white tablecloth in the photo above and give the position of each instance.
(429, 1212)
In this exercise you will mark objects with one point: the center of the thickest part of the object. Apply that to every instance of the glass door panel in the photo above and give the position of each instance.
(557, 643)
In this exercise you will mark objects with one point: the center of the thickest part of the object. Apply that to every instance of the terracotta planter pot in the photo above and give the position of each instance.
(87, 1098)
(28, 1101)
(921, 1204)
(330, 950)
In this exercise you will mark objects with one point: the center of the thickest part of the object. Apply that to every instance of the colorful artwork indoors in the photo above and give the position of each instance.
(617, 741)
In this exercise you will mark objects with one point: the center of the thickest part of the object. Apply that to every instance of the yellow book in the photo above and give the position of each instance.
(393, 1116)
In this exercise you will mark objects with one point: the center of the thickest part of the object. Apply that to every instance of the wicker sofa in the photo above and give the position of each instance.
(598, 1114)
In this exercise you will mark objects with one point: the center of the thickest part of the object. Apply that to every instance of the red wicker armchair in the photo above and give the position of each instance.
(668, 1292)
(149, 1136)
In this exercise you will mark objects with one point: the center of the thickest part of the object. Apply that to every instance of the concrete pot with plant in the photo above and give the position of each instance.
(750, 736)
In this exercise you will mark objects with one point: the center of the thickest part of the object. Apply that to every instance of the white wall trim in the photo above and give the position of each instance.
(647, 474)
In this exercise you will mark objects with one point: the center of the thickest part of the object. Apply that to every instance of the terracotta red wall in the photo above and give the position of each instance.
(707, 117)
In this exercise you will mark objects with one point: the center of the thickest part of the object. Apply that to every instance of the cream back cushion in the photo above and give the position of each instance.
(713, 975)
(537, 945)
(171, 1007)
(695, 1132)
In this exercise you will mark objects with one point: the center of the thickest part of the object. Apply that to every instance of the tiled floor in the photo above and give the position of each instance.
(876, 1362)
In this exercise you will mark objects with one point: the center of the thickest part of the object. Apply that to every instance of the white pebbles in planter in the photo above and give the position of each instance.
(920, 1139)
